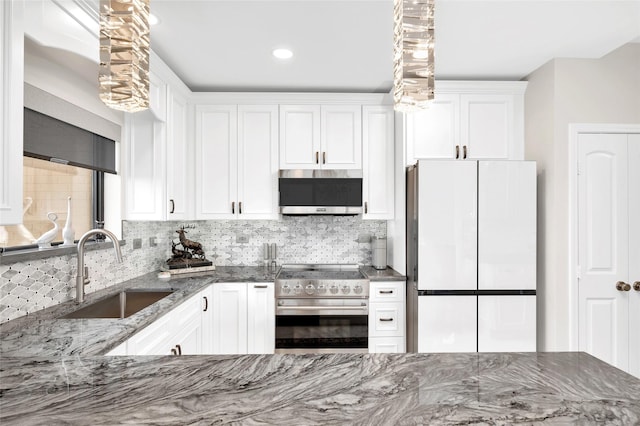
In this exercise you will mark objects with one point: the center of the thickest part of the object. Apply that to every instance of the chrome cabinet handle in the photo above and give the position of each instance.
(464, 152)
(457, 151)
(636, 286)
(179, 349)
(174, 352)
(260, 286)
(386, 319)
(317, 156)
(206, 304)
(366, 207)
(233, 207)
(240, 207)
(173, 207)
(324, 157)
(622, 286)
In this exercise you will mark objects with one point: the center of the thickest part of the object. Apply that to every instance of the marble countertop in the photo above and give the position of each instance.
(336, 389)
(44, 334)
(388, 274)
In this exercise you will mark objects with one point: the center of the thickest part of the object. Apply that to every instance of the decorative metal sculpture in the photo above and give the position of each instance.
(190, 254)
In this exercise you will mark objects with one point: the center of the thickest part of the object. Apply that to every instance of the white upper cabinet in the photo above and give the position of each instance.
(11, 110)
(316, 137)
(180, 177)
(377, 165)
(216, 161)
(470, 120)
(258, 162)
(157, 97)
(236, 162)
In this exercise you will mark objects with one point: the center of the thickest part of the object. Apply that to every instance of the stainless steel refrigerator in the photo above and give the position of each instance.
(471, 256)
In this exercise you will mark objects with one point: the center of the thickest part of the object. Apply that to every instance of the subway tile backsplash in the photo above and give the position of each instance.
(26, 287)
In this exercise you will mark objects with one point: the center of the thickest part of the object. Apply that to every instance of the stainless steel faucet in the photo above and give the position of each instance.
(82, 276)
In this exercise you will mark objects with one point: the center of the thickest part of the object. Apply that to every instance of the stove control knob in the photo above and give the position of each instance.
(298, 289)
(309, 289)
(286, 289)
(357, 289)
(322, 289)
(346, 289)
(333, 289)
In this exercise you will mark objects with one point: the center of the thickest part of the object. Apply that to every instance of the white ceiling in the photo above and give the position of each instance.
(341, 46)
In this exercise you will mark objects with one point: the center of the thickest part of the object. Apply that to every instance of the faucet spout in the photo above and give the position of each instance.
(82, 276)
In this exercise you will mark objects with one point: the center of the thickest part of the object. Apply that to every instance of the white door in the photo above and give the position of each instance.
(506, 225)
(341, 136)
(258, 162)
(216, 161)
(299, 136)
(447, 231)
(447, 323)
(434, 132)
(230, 318)
(506, 323)
(377, 164)
(261, 318)
(634, 254)
(603, 247)
(486, 126)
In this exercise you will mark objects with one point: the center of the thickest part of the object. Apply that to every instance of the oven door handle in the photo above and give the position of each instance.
(357, 310)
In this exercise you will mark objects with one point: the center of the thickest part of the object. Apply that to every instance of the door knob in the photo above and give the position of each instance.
(622, 286)
(636, 286)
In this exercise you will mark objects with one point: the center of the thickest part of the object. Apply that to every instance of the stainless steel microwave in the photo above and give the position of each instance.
(328, 192)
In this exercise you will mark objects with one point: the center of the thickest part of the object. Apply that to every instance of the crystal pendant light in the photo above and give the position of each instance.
(413, 66)
(124, 54)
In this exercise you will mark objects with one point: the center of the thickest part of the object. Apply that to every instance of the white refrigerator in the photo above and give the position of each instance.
(471, 256)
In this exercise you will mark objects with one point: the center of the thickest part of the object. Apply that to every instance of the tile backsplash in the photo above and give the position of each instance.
(26, 287)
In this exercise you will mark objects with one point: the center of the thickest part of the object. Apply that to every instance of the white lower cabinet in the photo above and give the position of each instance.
(387, 318)
(224, 318)
(243, 318)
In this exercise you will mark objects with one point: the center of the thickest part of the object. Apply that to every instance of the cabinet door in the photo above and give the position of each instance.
(487, 127)
(189, 338)
(216, 161)
(157, 97)
(258, 162)
(506, 225)
(180, 176)
(158, 338)
(230, 318)
(341, 136)
(434, 132)
(447, 323)
(388, 345)
(506, 323)
(447, 232)
(386, 319)
(261, 317)
(11, 110)
(377, 165)
(144, 171)
(299, 136)
(206, 299)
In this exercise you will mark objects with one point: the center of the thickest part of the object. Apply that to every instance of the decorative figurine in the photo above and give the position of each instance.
(189, 256)
(67, 232)
(44, 241)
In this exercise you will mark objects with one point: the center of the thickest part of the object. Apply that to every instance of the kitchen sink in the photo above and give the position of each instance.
(121, 305)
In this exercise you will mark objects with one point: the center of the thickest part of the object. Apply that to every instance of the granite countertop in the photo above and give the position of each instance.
(329, 389)
(44, 334)
(388, 274)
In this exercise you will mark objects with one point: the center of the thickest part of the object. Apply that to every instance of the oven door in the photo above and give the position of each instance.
(322, 325)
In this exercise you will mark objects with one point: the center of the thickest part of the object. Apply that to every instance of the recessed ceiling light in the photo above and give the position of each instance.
(282, 53)
(153, 19)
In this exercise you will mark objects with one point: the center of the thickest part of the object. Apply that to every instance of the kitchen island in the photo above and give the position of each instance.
(329, 389)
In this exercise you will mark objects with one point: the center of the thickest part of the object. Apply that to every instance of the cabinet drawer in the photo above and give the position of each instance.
(386, 319)
(387, 291)
(389, 345)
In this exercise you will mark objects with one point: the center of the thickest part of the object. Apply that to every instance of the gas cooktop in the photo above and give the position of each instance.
(325, 280)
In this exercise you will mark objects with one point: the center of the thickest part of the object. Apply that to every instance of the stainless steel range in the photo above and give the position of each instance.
(321, 308)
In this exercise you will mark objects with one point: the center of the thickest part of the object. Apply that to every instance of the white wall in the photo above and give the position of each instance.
(564, 91)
